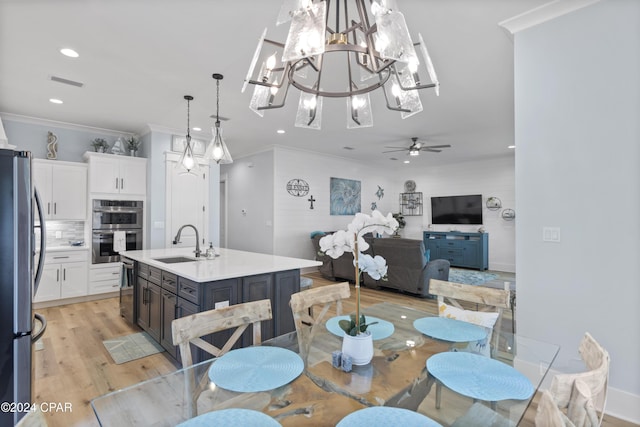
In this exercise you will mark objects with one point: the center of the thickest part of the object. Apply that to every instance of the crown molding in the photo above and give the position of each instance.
(542, 14)
(62, 125)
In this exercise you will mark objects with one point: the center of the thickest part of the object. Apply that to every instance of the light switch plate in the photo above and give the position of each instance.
(551, 234)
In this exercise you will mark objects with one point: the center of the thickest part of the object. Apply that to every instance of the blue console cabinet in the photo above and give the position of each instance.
(470, 250)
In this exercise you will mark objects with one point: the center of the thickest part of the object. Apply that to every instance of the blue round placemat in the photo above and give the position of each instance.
(231, 418)
(380, 330)
(452, 330)
(479, 377)
(384, 416)
(253, 369)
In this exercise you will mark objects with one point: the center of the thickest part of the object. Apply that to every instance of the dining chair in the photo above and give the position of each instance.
(489, 303)
(34, 418)
(548, 414)
(301, 304)
(189, 330)
(579, 393)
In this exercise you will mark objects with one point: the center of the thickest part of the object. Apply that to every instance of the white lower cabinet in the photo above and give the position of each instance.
(64, 275)
(104, 278)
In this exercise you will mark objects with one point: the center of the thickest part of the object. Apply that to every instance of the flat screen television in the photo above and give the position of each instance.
(457, 210)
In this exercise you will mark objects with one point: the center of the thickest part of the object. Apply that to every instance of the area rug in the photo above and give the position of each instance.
(470, 277)
(131, 347)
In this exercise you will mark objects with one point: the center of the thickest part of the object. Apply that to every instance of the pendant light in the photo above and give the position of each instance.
(217, 149)
(188, 160)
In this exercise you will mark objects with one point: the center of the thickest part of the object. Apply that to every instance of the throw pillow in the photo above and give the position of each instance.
(476, 317)
(427, 255)
(487, 320)
(316, 233)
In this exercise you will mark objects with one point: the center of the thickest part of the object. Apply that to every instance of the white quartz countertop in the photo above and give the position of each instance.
(230, 264)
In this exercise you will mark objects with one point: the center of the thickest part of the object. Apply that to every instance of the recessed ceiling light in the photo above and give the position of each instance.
(55, 101)
(511, 146)
(69, 52)
(280, 131)
(197, 129)
(406, 161)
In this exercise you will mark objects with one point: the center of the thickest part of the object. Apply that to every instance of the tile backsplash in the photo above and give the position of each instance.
(62, 233)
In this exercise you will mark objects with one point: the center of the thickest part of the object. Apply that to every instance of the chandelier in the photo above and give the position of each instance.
(341, 49)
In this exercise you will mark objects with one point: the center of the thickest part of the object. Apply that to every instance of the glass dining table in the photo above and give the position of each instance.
(399, 375)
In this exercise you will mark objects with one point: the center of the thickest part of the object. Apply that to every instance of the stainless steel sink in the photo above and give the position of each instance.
(174, 260)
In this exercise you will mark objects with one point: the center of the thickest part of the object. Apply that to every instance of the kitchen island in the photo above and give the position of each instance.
(171, 283)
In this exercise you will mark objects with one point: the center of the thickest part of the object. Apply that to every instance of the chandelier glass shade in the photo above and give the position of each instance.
(341, 49)
(217, 149)
(187, 160)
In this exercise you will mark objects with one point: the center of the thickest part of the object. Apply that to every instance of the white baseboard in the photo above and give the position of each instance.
(507, 268)
(620, 404)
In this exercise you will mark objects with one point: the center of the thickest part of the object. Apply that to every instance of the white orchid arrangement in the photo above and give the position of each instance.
(352, 240)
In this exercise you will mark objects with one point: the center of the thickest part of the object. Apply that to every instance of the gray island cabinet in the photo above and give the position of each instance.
(166, 291)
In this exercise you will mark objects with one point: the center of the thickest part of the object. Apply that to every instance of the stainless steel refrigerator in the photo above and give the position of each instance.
(20, 271)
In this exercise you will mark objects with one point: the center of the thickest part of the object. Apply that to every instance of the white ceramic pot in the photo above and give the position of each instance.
(360, 347)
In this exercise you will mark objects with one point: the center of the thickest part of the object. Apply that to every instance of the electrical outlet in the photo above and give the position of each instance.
(59, 234)
(221, 304)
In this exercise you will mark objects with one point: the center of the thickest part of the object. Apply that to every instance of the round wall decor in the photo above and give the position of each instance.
(508, 214)
(298, 187)
(409, 186)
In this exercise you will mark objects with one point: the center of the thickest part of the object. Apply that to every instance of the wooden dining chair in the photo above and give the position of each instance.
(189, 330)
(489, 304)
(303, 317)
(34, 418)
(579, 393)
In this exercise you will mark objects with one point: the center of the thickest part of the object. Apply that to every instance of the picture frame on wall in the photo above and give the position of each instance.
(411, 204)
(345, 196)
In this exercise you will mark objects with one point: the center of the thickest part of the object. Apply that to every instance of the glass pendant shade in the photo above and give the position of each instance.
(260, 98)
(359, 112)
(254, 60)
(187, 160)
(393, 40)
(409, 99)
(306, 33)
(309, 113)
(217, 149)
(427, 61)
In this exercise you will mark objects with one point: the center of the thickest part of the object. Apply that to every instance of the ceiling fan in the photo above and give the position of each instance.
(415, 148)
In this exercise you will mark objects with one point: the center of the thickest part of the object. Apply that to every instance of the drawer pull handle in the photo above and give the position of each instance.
(60, 257)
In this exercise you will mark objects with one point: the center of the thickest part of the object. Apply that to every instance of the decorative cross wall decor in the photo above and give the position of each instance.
(311, 199)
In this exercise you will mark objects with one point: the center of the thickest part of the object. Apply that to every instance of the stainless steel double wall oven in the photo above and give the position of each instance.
(110, 219)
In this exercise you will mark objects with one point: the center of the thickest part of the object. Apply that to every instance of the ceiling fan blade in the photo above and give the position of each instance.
(394, 151)
(403, 148)
(435, 146)
(431, 150)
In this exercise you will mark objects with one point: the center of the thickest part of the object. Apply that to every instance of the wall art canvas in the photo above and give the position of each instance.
(345, 196)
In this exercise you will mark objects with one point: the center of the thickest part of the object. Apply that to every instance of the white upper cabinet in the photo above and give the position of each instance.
(117, 175)
(62, 187)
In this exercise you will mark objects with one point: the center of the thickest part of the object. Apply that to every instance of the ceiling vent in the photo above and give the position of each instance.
(66, 81)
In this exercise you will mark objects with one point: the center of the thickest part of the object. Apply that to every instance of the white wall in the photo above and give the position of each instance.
(494, 177)
(250, 189)
(577, 104)
(264, 185)
(294, 219)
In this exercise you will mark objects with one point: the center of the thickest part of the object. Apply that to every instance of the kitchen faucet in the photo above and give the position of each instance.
(176, 239)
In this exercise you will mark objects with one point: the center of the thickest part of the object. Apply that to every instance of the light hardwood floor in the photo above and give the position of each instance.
(74, 366)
